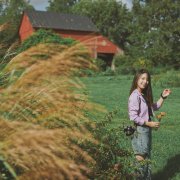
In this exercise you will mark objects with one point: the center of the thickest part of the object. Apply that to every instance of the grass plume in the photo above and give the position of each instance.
(42, 113)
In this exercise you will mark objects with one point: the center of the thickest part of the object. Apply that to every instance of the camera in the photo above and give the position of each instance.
(129, 130)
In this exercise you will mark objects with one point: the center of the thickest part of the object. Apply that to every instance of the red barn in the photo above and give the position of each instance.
(72, 26)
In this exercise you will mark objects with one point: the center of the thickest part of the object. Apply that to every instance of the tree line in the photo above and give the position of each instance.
(150, 30)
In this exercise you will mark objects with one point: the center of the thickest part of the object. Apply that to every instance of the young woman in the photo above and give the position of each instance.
(141, 107)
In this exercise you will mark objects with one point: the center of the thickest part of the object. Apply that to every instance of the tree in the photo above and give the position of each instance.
(12, 9)
(11, 12)
(111, 17)
(63, 6)
(155, 32)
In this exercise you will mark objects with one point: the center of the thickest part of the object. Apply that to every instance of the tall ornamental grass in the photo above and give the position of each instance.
(42, 116)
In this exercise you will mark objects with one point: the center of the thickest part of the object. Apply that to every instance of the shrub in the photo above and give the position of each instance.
(44, 36)
(142, 63)
(159, 69)
(168, 79)
(113, 160)
(127, 65)
(86, 72)
(108, 72)
(101, 64)
(123, 64)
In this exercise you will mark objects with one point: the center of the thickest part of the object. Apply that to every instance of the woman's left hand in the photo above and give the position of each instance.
(166, 92)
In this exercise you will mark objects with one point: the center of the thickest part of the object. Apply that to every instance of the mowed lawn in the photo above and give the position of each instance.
(112, 92)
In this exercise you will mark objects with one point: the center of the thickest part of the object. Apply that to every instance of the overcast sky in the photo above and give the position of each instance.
(42, 4)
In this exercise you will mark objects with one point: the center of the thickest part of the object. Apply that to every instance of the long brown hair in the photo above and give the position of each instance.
(148, 90)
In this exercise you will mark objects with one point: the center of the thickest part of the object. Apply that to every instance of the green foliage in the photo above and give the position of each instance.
(85, 72)
(40, 56)
(150, 30)
(101, 64)
(107, 72)
(44, 36)
(11, 10)
(63, 6)
(167, 79)
(10, 14)
(6, 171)
(113, 159)
(159, 69)
(4, 79)
(102, 70)
(123, 64)
(111, 17)
(142, 63)
(154, 33)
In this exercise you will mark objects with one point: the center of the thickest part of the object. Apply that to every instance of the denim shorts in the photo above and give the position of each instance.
(141, 141)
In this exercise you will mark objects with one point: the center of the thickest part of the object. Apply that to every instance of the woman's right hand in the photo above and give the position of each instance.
(153, 124)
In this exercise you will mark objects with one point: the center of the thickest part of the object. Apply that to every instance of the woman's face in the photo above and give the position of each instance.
(142, 82)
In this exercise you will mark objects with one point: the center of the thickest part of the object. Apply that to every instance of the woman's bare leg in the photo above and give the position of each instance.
(142, 168)
(139, 158)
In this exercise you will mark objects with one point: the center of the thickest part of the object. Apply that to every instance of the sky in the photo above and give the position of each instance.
(39, 4)
(42, 4)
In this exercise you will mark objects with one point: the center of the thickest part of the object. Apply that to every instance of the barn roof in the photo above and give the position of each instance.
(54, 20)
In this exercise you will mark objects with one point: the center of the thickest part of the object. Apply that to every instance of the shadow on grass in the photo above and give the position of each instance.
(169, 170)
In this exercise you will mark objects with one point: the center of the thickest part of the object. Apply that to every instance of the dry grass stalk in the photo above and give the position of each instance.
(4, 26)
(44, 94)
(29, 148)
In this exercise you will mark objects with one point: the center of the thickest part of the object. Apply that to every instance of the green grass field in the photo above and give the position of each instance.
(113, 91)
